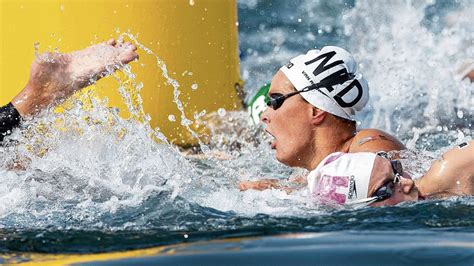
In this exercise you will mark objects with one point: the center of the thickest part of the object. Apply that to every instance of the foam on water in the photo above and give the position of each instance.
(87, 168)
(412, 70)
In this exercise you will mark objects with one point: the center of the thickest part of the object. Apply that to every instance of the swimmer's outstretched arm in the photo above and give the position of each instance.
(289, 185)
(55, 77)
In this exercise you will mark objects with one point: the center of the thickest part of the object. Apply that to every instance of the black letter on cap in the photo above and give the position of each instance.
(322, 66)
(341, 102)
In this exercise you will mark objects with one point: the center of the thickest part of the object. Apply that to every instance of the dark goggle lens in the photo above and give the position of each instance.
(275, 102)
(384, 192)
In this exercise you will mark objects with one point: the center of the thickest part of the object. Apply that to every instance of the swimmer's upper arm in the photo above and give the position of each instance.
(373, 140)
(453, 173)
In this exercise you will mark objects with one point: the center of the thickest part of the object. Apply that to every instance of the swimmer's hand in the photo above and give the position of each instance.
(264, 184)
(260, 185)
(54, 77)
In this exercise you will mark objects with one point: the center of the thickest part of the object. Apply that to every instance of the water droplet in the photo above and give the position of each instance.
(460, 114)
(460, 136)
(201, 114)
(172, 118)
(186, 236)
(191, 3)
(205, 149)
(221, 112)
(36, 45)
(299, 20)
(194, 87)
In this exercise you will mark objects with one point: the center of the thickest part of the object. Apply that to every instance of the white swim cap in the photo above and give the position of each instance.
(345, 97)
(342, 178)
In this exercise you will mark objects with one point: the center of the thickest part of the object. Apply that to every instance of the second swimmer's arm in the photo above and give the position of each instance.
(282, 184)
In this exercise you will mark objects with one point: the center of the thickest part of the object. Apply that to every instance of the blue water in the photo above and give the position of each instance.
(94, 192)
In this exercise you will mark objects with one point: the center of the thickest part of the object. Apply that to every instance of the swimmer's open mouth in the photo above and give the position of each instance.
(270, 135)
(271, 139)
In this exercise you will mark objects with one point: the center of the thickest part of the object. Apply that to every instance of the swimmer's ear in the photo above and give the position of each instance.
(318, 116)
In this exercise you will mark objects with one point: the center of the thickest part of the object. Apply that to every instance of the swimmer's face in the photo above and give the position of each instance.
(290, 124)
(405, 190)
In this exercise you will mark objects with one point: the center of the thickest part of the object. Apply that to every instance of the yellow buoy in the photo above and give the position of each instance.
(196, 39)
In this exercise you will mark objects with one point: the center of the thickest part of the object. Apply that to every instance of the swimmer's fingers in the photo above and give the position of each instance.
(259, 185)
(127, 52)
(130, 46)
(128, 57)
(121, 44)
(111, 42)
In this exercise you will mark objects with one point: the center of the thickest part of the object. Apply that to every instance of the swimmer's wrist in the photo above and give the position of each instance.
(29, 101)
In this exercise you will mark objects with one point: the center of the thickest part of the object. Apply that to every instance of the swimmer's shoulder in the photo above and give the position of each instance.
(374, 140)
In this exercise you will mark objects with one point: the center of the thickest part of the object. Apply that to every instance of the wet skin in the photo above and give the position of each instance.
(404, 190)
(451, 175)
(304, 135)
(289, 125)
(299, 141)
(54, 77)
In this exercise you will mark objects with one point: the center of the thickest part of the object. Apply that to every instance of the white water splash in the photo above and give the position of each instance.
(411, 69)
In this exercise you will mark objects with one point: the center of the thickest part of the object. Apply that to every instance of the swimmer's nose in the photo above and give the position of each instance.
(407, 185)
(265, 118)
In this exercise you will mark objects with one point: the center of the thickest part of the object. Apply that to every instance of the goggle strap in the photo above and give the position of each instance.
(396, 179)
(362, 202)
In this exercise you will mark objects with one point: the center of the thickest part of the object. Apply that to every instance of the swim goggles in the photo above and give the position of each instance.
(276, 99)
(385, 191)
